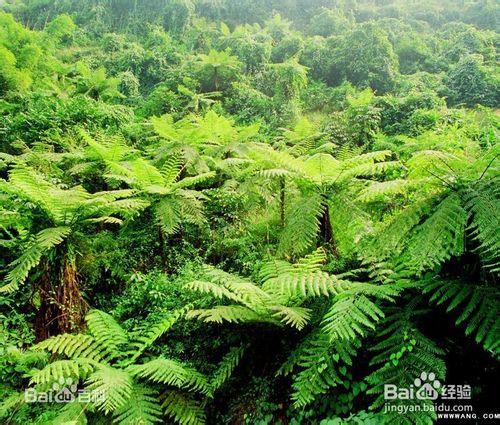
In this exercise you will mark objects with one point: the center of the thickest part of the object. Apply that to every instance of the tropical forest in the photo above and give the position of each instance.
(249, 212)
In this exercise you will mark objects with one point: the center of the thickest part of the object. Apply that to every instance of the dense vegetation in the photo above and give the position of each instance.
(252, 211)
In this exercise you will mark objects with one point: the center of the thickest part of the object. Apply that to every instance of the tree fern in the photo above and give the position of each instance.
(63, 212)
(44, 241)
(115, 375)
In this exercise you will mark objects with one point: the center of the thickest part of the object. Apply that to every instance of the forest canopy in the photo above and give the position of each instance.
(248, 212)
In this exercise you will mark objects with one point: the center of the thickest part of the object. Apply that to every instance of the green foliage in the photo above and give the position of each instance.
(476, 305)
(469, 83)
(95, 360)
(246, 212)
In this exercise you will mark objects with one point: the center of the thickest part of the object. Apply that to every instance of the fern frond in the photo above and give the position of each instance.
(171, 169)
(226, 367)
(483, 201)
(173, 373)
(390, 240)
(274, 173)
(114, 384)
(27, 184)
(351, 316)
(106, 220)
(70, 414)
(303, 284)
(433, 164)
(183, 409)
(322, 365)
(311, 262)
(191, 206)
(193, 181)
(142, 408)
(302, 225)
(296, 317)
(403, 353)
(74, 346)
(437, 238)
(146, 337)
(106, 331)
(44, 241)
(378, 191)
(273, 268)
(227, 313)
(168, 214)
(211, 288)
(110, 149)
(76, 368)
(249, 294)
(477, 306)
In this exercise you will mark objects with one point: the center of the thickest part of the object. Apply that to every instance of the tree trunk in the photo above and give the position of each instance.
(326, 230)
(62, 307)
